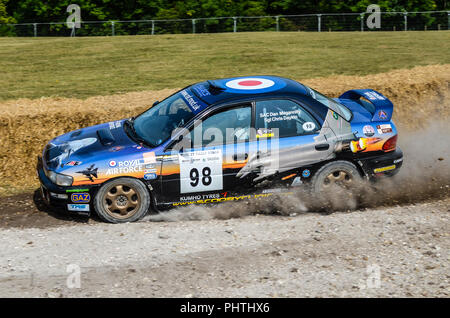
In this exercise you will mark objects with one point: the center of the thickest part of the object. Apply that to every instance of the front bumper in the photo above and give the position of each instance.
(64, 198)
(387, 164)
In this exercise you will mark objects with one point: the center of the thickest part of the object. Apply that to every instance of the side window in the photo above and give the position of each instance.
(285, 115)
(227, 126)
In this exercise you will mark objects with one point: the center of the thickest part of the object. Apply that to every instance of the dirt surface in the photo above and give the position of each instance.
(27, 210)
(337, 255)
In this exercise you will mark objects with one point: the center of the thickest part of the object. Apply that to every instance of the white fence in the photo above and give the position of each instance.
(390, 21)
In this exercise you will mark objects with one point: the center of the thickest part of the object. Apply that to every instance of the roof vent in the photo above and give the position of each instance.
(214, 88)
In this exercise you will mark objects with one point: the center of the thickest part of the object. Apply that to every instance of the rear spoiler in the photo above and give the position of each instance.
(383, 106)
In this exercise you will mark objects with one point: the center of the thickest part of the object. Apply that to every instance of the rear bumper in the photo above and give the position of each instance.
(63, 197)
(387, 164)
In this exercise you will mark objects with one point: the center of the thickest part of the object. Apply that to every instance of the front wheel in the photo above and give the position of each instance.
(122, 200)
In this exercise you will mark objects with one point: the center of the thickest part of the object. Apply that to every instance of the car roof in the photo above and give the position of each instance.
(221, 90)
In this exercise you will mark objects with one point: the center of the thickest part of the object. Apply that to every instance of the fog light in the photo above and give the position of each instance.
(59, 196)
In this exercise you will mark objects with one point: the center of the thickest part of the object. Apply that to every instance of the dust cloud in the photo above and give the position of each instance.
(425, 175)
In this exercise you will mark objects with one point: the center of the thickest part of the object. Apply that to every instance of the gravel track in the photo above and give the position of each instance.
(311, 254)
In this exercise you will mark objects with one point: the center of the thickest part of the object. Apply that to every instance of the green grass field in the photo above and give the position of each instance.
(82, 67)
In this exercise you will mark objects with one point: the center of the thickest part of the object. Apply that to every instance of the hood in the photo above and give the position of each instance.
(81, 146)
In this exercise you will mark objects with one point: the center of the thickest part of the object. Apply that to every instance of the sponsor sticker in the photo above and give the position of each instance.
(368, 130)
(193, 104)
(384, 129)
(150, 176)
(374, 96)
(264, 133)
(335, 116)
(383, 169)
(76, 190)
(306, 173)
(149, 157)
(114, 124)
(80, 198)
(73, 163)
(78, 207)
(309, 126)
(382, 114)
(202, 90)
(116, 148)
(126, 166)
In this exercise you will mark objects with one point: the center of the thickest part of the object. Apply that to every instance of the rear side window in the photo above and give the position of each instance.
(331, 104)
(285, 115)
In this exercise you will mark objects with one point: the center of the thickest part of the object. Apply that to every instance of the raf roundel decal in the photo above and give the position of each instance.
(250, 83)
(112, 163)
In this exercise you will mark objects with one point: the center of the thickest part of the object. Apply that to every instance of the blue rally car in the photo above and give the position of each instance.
(223, 140)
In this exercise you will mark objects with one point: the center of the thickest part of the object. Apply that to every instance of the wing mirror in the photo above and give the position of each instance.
(155, 103)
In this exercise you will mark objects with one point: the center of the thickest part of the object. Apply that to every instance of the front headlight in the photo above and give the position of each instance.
(60, 179)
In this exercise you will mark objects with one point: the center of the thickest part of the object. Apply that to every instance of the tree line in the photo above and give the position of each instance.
(26, 11)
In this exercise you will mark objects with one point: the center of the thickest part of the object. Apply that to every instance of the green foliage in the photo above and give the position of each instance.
(55, 10)
(4, 17)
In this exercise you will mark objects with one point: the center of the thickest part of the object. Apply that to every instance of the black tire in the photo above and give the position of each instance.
(122, 200)
(336, 185)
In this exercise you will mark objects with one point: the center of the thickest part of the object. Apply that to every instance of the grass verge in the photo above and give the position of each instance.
(91, 66)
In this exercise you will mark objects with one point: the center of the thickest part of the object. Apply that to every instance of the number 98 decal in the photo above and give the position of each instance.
(206, 178)
(201, 171)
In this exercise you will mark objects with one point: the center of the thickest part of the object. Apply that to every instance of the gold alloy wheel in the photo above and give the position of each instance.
(122, 201)
(339, 178)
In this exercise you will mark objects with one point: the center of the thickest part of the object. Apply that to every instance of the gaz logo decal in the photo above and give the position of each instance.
(80, 197)
(201, 171)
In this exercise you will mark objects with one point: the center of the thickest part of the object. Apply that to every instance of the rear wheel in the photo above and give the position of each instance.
(336, 184)
(122, 200)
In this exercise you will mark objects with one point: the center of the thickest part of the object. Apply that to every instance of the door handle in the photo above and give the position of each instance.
(322, 147)
(240, 157)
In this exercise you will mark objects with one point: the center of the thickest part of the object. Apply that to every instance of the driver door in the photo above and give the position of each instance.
(203, 169)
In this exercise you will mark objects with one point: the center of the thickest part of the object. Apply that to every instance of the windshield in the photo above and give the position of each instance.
(156, 125)
(331, 104)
